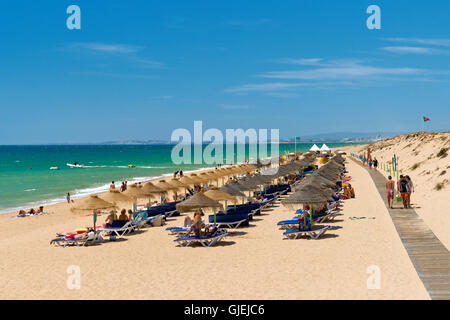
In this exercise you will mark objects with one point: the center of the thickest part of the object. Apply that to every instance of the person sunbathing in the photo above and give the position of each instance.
(346, 194)
(130, 215)
(352, 191)
(123, 215)
(22, 213)
(197, 224)
(109, 219)
(81, 236)
(31, 211)
(210, 230)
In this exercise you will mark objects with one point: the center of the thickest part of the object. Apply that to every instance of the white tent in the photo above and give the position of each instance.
(324, 148)
(314, 148)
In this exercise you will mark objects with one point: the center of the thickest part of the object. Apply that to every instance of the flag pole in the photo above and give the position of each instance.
(295, 152)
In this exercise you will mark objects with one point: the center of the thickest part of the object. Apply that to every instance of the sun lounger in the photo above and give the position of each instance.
(218, 235)
(232, 224)
(314, 233)
(232, 220)
(120, 231)
(64, 242)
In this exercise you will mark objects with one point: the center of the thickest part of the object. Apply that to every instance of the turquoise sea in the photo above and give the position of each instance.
(26, 179)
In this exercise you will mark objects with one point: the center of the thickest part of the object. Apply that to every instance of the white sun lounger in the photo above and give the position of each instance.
(231, 225)
(315, 233)
(125, 229)
(64, 242)
(204, 241)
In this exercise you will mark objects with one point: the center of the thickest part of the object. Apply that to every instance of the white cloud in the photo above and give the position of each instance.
(106, 48)
(422, 41)
(264, 87)
(235, 106)
(344, 71)
(301, 61)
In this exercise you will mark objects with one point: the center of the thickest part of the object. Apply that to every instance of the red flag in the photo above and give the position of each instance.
(425, 119)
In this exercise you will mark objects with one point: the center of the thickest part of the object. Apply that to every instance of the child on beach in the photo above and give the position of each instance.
(68, 197)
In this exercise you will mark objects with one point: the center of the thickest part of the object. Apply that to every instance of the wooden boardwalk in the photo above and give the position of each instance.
(430, 257)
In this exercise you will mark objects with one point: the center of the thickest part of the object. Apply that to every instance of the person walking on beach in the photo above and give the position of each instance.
(410, 190)
(403, 187)
(375, 163)
(390, 184)
(68, 197)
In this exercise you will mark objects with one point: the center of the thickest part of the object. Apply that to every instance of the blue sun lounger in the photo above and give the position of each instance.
(217, 236)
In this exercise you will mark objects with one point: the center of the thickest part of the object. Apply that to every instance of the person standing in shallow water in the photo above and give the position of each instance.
(390, 184)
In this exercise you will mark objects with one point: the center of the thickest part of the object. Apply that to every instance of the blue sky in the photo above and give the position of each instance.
(140, 69)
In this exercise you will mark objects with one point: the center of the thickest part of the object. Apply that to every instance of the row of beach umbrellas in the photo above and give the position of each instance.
(316, 189)
(109, 199)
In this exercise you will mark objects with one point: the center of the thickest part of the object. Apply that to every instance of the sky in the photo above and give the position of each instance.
(141, 69)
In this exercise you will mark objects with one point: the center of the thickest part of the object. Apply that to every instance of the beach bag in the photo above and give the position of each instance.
(399, 198)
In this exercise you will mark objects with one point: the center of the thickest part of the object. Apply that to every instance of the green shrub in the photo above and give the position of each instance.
(442, 153)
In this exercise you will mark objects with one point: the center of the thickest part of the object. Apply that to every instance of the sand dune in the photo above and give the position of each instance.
(424, 157)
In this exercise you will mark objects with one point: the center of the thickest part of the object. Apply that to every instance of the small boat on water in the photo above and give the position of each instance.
(75, 165)
(131, 166)
(54, 168)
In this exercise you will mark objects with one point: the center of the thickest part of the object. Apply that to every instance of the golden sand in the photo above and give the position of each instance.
(252, 263)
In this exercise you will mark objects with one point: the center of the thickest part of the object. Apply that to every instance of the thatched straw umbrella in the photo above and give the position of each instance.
(188, 181)
(199, 201)
(232, 191)
(134, 192)
(92, 203)
(152, 189)
(206, 177)
(163, 184)
(309, 195)
(219, 195)
(177, 183)
(114, 196)
(194, 177)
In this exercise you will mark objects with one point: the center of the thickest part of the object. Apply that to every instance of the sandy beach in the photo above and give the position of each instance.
(252, 263)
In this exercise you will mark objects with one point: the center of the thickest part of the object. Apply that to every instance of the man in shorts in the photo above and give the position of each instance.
(390, 184)
(404, 190)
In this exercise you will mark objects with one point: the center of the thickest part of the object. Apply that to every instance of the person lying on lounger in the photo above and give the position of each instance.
(209, 230)
(197, 224)
(83, 235)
